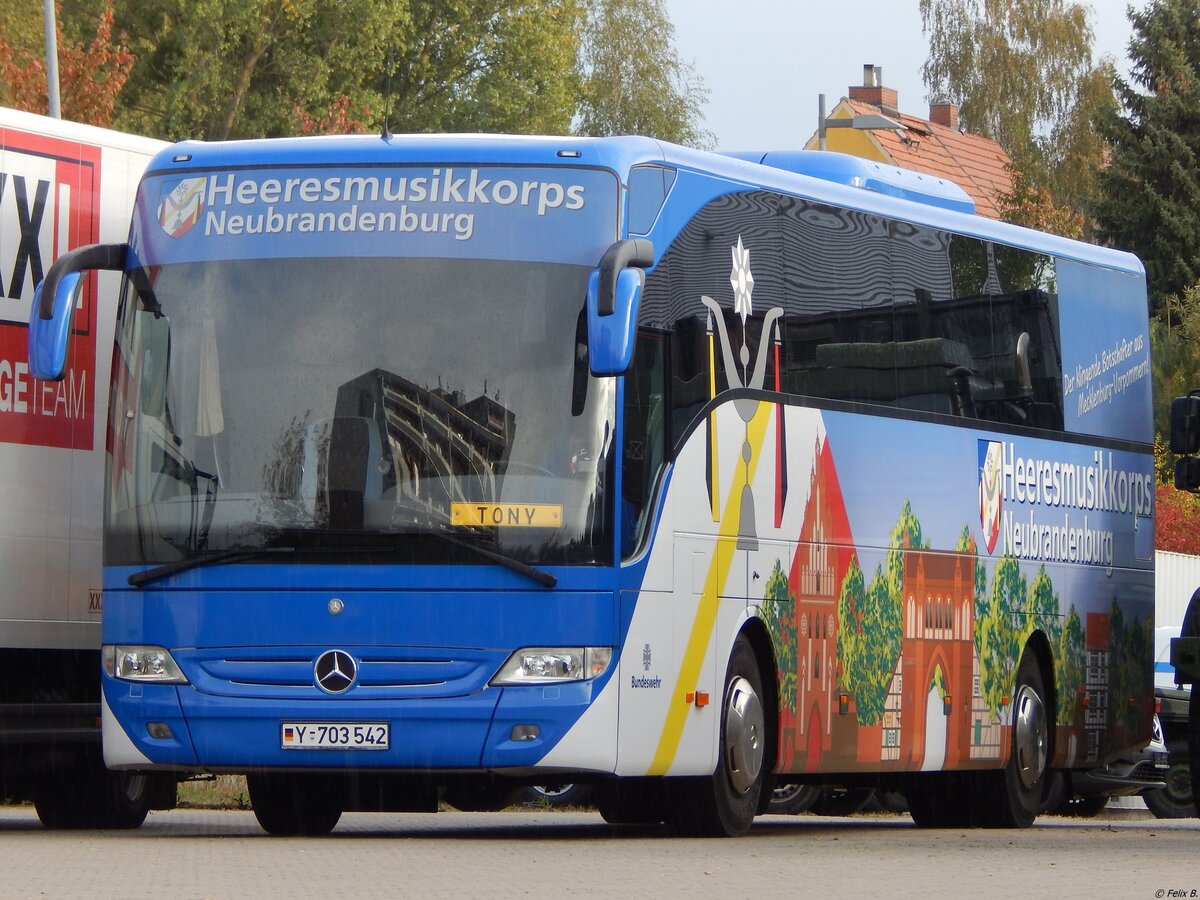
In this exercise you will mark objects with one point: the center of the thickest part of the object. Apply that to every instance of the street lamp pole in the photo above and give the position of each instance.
(820, 121)
(868, 122)
(53, 107)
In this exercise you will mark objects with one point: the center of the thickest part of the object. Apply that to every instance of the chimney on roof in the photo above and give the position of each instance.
(943, 113)
(872, 90)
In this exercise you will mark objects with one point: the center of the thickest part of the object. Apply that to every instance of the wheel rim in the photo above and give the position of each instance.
(553, 791)
(1030, 736)
(744, 726)
(787, 792)
(1179, 784)
(133, 787)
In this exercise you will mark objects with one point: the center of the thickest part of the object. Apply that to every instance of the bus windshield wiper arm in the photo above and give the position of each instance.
(543, 578)
(140, 579)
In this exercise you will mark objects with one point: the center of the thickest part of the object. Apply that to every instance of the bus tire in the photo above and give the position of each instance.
(1174, 799)
(724, 804)
(1193, 742)
(842, 801)
(1018, 792)
(1190, 629)
(631, 801)
(793, 799)
(128, 799)
(90, 796)
(941, 800)
(294, 805)
(556, 796)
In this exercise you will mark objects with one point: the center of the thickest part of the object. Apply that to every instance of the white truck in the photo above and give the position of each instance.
(62, 185)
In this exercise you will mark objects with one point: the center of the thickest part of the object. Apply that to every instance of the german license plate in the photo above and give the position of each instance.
(334, 735)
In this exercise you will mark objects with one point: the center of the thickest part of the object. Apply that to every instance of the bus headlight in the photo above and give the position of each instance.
(140, 663)
(548, 665)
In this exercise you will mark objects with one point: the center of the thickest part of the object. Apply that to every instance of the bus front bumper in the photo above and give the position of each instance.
(178, 727)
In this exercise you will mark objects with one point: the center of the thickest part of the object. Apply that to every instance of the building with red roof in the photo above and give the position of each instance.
(938, 145)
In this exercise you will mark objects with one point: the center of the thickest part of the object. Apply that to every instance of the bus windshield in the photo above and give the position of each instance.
(431, 407)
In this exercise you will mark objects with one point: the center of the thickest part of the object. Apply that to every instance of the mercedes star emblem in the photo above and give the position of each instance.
(335, 671)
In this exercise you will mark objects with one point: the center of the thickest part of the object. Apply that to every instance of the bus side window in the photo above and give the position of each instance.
(645, 435)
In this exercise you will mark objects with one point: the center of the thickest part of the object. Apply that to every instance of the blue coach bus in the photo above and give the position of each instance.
(441, 465)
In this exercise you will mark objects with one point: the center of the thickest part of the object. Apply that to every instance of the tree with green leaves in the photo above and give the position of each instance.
(1022, 74)
(1174, 352)
(218, 69)
(487, 65)
(242, 68)
(1149, 200)
(633, 81)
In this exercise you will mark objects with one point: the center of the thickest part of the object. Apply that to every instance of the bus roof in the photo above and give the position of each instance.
(834, 178)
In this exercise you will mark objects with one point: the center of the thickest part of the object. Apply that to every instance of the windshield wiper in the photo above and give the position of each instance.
(140, 579)
(543, 578)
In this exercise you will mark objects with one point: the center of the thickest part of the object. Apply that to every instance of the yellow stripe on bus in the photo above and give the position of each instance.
(706, 612)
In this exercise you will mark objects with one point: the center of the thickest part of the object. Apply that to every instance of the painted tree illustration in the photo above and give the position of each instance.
(906, 535)
(1041, 609)
(1130, 672)
(870, 626)
(852, 602)
(997, 632)
(779, 615)
(966, 544)
(1072, 666)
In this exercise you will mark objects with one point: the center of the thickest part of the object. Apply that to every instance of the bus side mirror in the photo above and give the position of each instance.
(1185, 425)
(54, 303)
(50, 339)
(613, 295)
(1187, 474)
(610, 337)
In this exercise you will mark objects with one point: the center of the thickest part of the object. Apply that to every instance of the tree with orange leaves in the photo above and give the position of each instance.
(90, 77)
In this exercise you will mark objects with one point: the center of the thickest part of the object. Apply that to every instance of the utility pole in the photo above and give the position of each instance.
(51, 59)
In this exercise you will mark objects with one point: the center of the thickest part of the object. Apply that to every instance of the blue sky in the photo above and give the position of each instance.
(765, 61)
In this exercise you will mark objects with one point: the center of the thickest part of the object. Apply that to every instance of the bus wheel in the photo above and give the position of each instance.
(792, 799)
(129, 799)
(556, 796)
(291, 805)
(1193, 742)
(1019, 791)
(90, 796)
(941, 801)
(724, 804)
(842, 801)
(630, 801)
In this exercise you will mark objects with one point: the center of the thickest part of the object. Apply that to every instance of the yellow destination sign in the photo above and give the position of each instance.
(507, 515)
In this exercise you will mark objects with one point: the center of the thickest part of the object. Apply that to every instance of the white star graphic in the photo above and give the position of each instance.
(741, 280)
